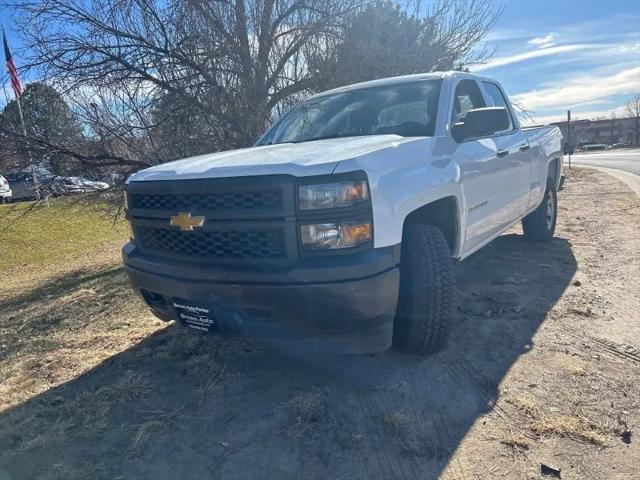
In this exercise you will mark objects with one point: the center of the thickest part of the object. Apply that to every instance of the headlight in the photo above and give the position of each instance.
(333, 195)
(323, 236)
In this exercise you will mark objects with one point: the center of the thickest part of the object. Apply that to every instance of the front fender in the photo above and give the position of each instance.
(403, 179)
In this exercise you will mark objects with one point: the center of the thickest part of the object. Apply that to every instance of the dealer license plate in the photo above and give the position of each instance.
(199, 317)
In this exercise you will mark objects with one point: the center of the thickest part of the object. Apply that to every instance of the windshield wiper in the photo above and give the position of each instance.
(325, 137)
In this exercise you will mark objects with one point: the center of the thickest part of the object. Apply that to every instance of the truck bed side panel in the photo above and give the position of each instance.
(546, 146)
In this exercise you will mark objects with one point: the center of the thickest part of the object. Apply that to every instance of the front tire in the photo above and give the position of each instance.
(427, 289)
(540, 225)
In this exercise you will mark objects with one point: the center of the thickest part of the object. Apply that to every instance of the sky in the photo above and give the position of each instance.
(550, 55)
(554, 55)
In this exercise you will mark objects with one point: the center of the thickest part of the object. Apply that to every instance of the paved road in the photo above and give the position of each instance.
(627, 160)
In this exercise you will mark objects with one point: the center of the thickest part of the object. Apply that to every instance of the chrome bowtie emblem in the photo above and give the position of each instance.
(186, 222)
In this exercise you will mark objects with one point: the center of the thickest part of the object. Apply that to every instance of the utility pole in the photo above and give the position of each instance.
(569, 136)
(612, 126)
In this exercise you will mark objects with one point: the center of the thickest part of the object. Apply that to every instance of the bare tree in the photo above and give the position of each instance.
(383, 39)
(632, 110)
(154, 80)
(233, 58)
(523, 113)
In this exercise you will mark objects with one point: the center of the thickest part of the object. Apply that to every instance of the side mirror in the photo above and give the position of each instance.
(481, 122)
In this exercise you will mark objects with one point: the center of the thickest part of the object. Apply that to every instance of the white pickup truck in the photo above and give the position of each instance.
(342, 224)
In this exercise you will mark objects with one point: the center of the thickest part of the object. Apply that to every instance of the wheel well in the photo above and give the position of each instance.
(442, 214)
(552, 170)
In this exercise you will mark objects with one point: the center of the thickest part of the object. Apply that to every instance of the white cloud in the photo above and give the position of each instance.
(543, 42)
(540, 52)
(503, 34)
(582, 90)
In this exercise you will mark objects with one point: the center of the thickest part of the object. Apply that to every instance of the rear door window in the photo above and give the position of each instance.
(498, 99)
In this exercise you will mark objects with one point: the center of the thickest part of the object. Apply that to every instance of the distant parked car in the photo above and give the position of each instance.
(5, 190)
(66, 186)
(73, 185)
(23, 184)
(594, 146)
(619, 145)
(92, 185)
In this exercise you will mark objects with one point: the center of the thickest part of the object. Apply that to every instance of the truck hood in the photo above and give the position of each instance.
(318, 157)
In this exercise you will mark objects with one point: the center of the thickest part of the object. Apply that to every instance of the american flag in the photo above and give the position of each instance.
(11, 68)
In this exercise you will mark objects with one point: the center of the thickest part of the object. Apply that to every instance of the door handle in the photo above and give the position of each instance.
(524, 148)
(503, 153)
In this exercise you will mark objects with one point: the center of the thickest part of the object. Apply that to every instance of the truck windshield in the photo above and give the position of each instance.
(406, 109)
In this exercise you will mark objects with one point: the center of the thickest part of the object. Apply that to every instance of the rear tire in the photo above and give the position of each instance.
(427, 284)
(540, 224)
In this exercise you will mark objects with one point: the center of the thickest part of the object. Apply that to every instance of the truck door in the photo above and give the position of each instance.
(481, 172)
(513, 148)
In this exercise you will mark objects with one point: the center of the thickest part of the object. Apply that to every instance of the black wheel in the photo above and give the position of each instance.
(427, 290)
(540, 224)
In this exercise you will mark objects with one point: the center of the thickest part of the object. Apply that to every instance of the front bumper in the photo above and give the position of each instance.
(343, 304)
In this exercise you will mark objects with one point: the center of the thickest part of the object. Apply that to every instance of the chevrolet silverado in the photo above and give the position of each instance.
(341, 225)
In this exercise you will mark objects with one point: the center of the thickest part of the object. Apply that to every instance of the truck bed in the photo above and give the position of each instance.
(548, 139)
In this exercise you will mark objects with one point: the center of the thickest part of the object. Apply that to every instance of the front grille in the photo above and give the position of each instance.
(225, 201)
(227, 244)
(246, 219)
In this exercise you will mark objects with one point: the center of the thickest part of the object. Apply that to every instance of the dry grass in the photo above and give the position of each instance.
(542, 419)
(576, 368)
(570, 427)
(397, 423)
(43, 247)
(63, 471)
(146, 432)
(306, 407)
(88, 411)
(92, 386)
(306, 412)
(33, 235)
(527, 403)
(212, 377)
(56, 333)
(516, 441)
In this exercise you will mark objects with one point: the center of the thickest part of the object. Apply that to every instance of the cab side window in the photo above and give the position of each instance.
(466, 97)
(498, 100)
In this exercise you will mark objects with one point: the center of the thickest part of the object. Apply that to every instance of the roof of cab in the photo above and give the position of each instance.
(393, 81)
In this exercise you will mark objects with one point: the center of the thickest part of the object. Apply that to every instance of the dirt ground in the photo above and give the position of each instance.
(542, 368)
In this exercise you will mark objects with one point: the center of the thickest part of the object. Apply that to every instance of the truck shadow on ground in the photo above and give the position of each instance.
(185, 405)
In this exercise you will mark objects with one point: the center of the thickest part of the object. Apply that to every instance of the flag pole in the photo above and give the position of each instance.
(17, 93)
(6, 97)
(36, 183)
